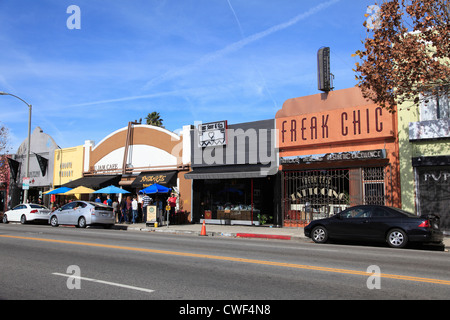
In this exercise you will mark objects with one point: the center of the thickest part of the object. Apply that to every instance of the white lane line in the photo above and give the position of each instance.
(104, 282)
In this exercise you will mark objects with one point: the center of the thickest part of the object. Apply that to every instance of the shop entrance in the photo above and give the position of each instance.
(316, 194)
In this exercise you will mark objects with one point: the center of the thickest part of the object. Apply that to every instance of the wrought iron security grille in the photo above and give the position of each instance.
(373, 182)
(314, 194)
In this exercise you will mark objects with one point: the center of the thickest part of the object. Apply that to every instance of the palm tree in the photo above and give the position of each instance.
(154, 119)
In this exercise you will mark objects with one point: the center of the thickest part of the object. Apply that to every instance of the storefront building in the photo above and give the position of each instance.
(42, 149)
(235, 173)
(336, 150)
(424, 140)
(68, 165)
(137, 156)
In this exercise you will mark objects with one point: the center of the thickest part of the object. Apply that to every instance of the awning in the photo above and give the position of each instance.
(95, 182)
(231, 172)
(164, 178)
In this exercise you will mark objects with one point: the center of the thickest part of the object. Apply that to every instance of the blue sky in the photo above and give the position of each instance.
(189, 60)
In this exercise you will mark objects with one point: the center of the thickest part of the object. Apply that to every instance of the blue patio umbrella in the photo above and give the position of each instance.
(111, 190)
(155, 188)
(59, 190)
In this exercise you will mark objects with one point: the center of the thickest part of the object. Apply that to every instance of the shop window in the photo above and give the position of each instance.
(235, 200)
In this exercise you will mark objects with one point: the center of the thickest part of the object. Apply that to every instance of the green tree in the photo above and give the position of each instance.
(154, 119)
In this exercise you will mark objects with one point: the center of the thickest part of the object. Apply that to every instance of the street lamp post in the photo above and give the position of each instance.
(27, 167)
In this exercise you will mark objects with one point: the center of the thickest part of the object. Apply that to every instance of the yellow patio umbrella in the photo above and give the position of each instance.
(80, 190)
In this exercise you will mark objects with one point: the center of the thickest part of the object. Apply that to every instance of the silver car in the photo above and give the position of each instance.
(83, 213)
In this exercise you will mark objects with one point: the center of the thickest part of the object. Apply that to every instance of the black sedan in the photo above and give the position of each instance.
(376, 223)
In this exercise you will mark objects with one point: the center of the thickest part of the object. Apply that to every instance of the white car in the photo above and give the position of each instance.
(26, 212)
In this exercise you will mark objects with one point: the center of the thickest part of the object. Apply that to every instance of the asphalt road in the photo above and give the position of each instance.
(39, 262)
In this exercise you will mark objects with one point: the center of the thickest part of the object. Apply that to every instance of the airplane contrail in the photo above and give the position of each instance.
(237, 45)
(216, 55)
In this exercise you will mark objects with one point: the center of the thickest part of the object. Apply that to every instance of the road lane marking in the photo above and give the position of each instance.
(103, 282)
(243, 260)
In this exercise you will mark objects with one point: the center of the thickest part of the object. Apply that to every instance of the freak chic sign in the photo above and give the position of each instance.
(338, 125)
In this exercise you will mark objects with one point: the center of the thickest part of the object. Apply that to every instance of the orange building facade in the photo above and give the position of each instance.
(336, 150)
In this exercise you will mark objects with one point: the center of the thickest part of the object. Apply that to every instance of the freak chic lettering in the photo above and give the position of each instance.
(333, 125)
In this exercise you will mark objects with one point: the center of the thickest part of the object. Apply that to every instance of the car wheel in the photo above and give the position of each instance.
(82, 222)
(5, 219)
(319, 234)
(23, 219)
(54, 221)
(397, 238)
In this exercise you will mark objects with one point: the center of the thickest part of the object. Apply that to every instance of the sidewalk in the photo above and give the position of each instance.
(266, 232)
(262, 232)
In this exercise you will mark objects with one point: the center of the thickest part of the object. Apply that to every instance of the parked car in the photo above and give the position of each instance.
(376, 223)
(26, 212)
(82, 214)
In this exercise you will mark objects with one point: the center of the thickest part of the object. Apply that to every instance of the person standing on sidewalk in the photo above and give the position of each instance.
(146, 200)
(172, 201)
(134, 209)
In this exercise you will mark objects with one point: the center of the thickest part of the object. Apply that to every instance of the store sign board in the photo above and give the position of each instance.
(212, 134)
(340, 125)
(146, 179)
(340, 156)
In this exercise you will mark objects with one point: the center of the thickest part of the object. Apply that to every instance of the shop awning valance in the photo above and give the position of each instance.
(231, 172)
(94, 182)
(164, 178)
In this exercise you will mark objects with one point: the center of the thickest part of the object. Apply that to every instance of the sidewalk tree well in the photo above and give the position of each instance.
(406, 52)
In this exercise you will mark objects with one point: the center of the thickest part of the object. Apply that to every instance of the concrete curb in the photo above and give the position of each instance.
(216, 233)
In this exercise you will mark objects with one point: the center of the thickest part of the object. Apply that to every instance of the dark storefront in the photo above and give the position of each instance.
(433, 187)
(235, 174)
